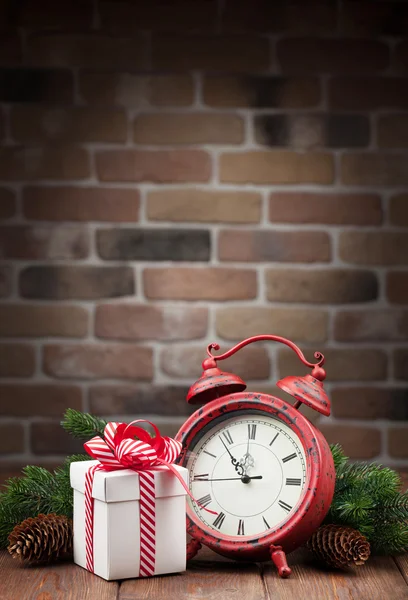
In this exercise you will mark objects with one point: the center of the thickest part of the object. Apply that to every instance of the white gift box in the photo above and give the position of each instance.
(117, 521)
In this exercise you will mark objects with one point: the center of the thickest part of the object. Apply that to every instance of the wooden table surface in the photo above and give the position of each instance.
(212, 577)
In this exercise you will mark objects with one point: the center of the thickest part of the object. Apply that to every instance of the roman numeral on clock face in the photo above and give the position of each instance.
(209, 453)
(241, 527)
(203, 477)
(227, 436)
(290, 457)
(285, 506)
(292, 481)
(205, 501)
(219, 520)
(266, 523)
(251, 431)
(274, 438)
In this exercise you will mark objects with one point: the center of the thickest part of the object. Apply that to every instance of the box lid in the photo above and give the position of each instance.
(123, 485)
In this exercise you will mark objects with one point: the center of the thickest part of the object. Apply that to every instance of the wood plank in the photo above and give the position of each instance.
(209, 577)
(378, 579)
(402, 563)
(62, 581)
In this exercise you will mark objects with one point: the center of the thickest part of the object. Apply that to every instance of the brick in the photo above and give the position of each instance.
(49, 438)
(10, 48)
(38, 400)
(398, 210)
(191, 128)
(357, 442)
(48, 162)
(392, 131)
(368, 93)
(312, 130)
(161, 166)
(273, 17)
(76, 283)
(185, 361)
(80, 124)
(5, 281)
(210, 206)
(276, 246)
(52, 203)
(36, 85)
(376, 325)
(144, 322)
(163, 400)
(333, 55)
(22, 320)
(345, 364)
(370, 403)
(16, 360)
(401, 364)
(136, 91)
(235, 53)
(261, 92)
(212, 283)
(87, 50)
(87, 361)
(397, 287)
(374, 247)
(2, 125)
(401, 54)
(11, 438)
(153, 244)
(327, 209)
(374, 18)
(276, 167)
(398, 442)
(38, 242)
(374, 169)
(7, 203)
(334, 286)
(179, 15)
(304, 325)
(48, 15)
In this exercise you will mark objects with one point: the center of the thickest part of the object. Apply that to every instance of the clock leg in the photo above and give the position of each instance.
(279, 560)
(193, 547)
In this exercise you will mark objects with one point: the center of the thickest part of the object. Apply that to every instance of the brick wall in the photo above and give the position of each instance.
(177, 173)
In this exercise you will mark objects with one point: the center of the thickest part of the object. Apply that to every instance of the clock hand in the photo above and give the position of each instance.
(230, 478)
(238, 467)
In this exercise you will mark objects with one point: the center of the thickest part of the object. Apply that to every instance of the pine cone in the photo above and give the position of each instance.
(42, 539)
(339, 546)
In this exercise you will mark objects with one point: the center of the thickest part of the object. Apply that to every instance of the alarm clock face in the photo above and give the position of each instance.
(249, 468)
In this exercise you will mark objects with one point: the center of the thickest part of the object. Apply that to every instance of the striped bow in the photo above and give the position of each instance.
(120, 450)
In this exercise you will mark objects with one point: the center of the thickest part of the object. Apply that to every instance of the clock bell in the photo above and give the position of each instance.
(215, 383)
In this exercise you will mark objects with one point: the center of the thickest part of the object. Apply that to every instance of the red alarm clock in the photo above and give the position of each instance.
(256, 462)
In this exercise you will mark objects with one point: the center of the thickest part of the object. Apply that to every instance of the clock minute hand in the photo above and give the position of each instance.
(228, 478)
(238, 467)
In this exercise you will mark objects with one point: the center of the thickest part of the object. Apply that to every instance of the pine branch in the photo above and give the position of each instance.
(368, 498)
(36, 491)
(82, 425)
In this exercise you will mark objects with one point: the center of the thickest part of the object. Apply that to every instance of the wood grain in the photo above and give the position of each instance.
(402, 564)
(379, 579)
(63, 581)
(204, 580)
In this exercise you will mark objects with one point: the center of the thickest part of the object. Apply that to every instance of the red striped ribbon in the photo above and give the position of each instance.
(119, 450)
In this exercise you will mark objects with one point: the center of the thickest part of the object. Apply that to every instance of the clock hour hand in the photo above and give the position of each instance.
(238, 467)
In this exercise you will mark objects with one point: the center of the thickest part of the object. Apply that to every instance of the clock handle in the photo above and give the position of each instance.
(279, 560)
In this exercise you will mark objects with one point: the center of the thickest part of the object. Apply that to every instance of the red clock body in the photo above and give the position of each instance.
(262, 473)
(302, 520)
